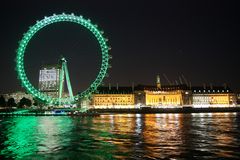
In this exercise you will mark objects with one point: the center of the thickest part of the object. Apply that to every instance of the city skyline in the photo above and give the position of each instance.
(197, 39)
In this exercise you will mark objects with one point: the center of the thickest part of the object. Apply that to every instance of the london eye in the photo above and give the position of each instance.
(50, 100)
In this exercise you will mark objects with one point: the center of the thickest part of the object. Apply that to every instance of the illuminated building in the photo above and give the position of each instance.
(238, 98)
(139, 96)
(171, 96)
(49, 79)
(113, 97)
(213, 97)
(163, 98)
(17, 96)
(166, 96)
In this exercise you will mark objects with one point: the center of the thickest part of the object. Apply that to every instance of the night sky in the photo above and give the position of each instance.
(199, 39)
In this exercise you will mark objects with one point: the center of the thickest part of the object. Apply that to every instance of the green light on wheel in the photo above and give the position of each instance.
(55, 19)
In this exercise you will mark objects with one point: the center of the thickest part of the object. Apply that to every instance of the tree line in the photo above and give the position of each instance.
(24, 102)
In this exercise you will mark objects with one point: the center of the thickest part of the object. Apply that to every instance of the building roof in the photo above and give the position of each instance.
(213, 89)
(114, 90)
(163, 88)
(50, 66)
(130, 90)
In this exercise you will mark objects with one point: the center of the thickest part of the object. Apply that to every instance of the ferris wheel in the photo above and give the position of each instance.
(44, 23)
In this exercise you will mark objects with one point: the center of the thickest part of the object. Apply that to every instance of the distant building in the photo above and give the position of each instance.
(141, 95)
(49, 79)
(164, 96)
(17, 96)
(213, 97)
(113, 97)
(171, 96)
(238, 97)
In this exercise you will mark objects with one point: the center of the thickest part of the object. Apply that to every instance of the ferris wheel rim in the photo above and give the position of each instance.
(86, 23)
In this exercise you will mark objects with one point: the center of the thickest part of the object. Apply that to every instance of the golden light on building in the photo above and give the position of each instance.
(213, 97)
(164, 98)
(113, 100)
(130, 97)
(113, 97)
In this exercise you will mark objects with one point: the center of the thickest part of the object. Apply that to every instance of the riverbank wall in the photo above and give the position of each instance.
(168, 110)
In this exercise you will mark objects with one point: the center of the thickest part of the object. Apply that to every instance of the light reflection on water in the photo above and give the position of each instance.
(121, 136)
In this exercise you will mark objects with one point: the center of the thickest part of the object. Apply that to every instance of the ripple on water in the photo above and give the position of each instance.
(121, 136)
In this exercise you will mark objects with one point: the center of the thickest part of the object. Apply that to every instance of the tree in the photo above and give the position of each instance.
(24, 102)
(2, 101)
(11, 102)
(35, 102)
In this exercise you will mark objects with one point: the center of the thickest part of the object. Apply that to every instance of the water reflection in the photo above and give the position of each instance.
(121, 136)
(50, 137)
(19, 140)
(209, 134)
(202, 135)
(30, 135)
(49, 129)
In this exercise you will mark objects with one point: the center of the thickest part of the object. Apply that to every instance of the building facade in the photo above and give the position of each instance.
(213, 97)
(49, 80)
(17, 96)
(163, 98)
(156, 96)
(238, 98)
(113, 97)
(153, 96)
(141, 96)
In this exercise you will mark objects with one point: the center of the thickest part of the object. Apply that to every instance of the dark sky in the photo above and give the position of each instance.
(199, 39)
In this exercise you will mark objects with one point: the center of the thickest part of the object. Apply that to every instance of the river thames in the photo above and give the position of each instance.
(122, 136)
